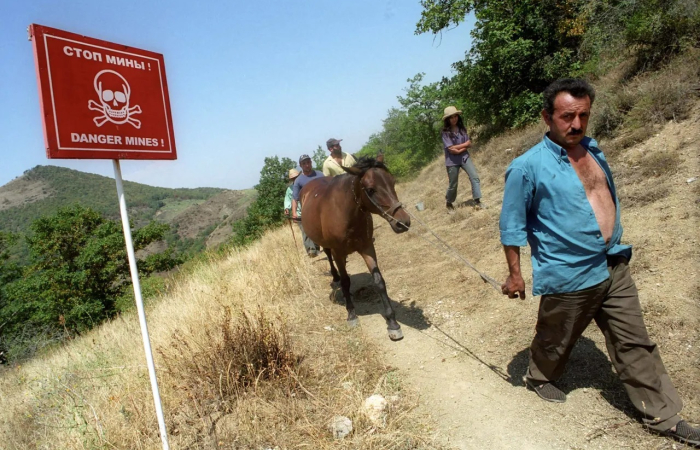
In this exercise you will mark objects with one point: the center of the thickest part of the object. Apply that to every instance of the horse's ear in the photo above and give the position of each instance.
(353, 170)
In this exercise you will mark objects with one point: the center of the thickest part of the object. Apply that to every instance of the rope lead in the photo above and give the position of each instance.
(487, 279)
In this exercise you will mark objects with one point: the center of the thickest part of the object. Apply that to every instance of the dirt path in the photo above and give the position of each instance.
(472, 404)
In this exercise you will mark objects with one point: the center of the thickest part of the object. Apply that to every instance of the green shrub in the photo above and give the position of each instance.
(607, 117)
(79, 269)
(661, 29)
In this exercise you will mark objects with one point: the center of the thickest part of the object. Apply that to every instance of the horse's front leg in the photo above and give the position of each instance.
(340, 260)
(334, 272)
(370, 257)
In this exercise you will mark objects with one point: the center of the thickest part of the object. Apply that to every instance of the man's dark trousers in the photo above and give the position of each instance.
(614, 305)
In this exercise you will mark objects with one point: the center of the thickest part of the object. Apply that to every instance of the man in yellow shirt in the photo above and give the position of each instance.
(333, 165)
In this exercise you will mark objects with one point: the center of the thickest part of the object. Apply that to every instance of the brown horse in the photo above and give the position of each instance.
(337, 215)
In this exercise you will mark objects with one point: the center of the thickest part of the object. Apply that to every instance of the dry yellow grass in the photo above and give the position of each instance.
(94, 391)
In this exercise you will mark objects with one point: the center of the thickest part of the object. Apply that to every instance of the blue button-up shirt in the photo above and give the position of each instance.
(545, 205)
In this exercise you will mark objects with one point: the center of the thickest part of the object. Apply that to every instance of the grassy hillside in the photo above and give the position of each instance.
(43, 189)
(276, 287)
(194, 214)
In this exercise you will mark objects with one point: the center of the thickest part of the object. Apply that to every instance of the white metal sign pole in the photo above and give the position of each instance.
(139, 304)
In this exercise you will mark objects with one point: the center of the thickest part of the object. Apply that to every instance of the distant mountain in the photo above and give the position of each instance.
(199, 217)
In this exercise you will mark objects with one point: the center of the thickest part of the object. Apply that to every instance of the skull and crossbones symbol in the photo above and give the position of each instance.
(113, 91)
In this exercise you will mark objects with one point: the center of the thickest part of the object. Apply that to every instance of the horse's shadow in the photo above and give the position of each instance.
(368, 301)
(588, 367)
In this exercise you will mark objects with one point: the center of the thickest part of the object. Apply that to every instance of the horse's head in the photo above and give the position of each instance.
(375, 192)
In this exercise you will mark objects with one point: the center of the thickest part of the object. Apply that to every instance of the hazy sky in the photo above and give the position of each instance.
(247, 79)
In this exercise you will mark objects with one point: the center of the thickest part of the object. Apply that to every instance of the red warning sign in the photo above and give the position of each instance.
(101, 100)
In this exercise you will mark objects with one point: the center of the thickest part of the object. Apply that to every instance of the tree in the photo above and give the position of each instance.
(8, 273)
(660, 29)
(438, 15)
(518, 48)
(267, 210)
(79, 268)
(411, 134)
(8, 270)
(424, 105)
(319, 157)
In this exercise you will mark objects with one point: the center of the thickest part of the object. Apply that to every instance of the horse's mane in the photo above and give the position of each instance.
(367, 162)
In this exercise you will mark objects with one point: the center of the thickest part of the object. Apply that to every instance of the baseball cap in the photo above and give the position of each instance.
(303, 158)
(332, 141)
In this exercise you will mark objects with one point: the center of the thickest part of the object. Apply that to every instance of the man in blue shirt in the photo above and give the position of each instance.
(307, 174)
(560, 199)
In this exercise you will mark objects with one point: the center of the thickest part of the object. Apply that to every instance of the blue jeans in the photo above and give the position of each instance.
(453, 175)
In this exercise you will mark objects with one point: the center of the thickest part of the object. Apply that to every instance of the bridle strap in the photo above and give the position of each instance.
(393, 208)
(388, 214)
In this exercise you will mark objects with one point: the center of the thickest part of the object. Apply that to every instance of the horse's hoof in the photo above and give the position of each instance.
(352, 323)
(395, 335)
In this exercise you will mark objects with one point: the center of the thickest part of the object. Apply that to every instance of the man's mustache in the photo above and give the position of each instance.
(575, 132)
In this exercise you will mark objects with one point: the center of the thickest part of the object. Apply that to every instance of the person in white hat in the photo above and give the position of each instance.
(456, 144)
(293, 174)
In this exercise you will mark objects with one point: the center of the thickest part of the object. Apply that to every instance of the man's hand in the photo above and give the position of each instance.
(295, 210)
(286, 212)
(514, 287)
